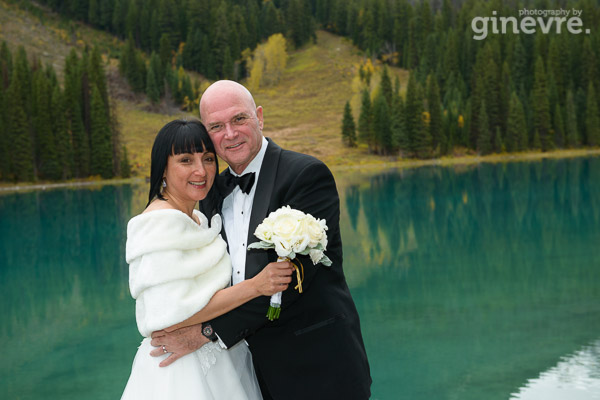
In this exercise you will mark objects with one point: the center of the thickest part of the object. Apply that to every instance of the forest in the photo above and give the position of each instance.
(505, 92)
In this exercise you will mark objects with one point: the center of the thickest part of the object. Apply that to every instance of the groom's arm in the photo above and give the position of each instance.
(311, 189)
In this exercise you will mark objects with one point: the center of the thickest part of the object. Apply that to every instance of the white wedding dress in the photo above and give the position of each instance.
(175, 267)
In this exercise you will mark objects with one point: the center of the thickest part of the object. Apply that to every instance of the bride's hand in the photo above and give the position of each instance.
(275, 277)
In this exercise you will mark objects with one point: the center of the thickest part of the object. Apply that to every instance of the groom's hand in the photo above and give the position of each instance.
(179, 343)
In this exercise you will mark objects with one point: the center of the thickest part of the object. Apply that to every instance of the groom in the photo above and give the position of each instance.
(315, 349)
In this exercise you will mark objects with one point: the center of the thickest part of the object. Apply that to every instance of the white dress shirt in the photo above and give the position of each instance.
(236, 210)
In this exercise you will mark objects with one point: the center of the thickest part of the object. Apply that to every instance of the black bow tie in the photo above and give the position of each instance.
(230, 181)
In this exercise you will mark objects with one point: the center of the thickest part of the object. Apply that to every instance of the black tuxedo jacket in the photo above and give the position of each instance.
(315, 350)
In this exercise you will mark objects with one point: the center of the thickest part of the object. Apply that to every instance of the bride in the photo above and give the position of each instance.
(179, 270)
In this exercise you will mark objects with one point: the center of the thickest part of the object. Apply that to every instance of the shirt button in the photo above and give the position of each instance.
(238, 272)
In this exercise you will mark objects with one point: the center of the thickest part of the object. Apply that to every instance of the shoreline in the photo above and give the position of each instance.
(384, 165)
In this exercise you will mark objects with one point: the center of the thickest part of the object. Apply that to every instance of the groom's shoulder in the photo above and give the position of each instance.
(294, 159)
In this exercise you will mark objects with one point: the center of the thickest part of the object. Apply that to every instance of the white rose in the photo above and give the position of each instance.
(315, 231)
(264, 231)
(285, 226)
(283, 247)
(315, 256)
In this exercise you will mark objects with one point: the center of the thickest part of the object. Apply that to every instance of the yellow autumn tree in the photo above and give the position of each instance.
(267, 63)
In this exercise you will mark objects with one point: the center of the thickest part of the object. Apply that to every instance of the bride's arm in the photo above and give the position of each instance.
(274, 278)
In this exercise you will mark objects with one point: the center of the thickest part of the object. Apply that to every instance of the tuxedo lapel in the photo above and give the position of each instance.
(256, 260)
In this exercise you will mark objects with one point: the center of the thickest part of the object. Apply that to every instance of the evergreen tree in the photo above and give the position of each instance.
(572, 136)
(192, 52)
(386, 86)
(435, 114)
(100, 137)
(118, 17)
(81, 144)
(22, 74)
(399, 139)
(382, 124)
(348, 127)
(365, 120)
(271, 20)
(6, 65)
(484, 141)
(64, 147)
(592, 119)
(125, 170)
(516, 133)
(559, 127)
(541, 106)
(152, 89)
(21, 146)
(228, 65)
(96, 74)
(418, 136)
(47, 160)
(165, 51)
(4, 142)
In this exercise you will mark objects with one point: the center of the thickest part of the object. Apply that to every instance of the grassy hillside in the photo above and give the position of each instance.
(303, 112)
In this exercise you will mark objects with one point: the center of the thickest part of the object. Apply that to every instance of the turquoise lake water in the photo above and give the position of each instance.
(479, 282)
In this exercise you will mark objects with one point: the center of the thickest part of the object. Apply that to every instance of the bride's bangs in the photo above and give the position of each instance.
(191, 139)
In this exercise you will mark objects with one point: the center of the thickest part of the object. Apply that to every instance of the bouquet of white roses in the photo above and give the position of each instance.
(291, 232)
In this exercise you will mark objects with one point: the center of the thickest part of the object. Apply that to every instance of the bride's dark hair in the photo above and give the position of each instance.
(176, 137)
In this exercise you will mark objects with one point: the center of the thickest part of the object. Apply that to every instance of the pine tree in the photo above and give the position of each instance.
(435, 114)
(348, 127)
(365, 120)
(100, 138)
(399, 139)
(572, 135)
(81, 144)
(592, 119)
(64, 147)
(418, 136)
(125, 170)
(4, 142)
(21, 153)
(118, 17)
(152, 89)
(96, 74)
(484, 141)
(192, 52)
(22, 73)
(47, 160)
(382, 124)
(516, 133)
(559, 127)
(228, 65)
(6, 65)
(541, 106)
(386, 86)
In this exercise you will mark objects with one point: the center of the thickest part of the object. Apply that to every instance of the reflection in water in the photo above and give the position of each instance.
(483, 277)
(576, 377)
(469, 282)
(65, 298)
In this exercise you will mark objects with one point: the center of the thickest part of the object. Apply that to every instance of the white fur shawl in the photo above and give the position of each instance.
(175, 266)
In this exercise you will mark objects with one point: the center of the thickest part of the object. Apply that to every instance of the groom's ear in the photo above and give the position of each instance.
(259, 115)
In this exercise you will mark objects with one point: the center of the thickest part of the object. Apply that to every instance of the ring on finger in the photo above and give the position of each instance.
(164, 349)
